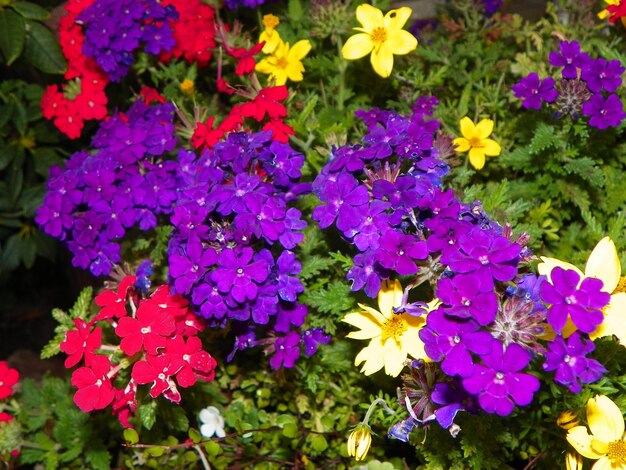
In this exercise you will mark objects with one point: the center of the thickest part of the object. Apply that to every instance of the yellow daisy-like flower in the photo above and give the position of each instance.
(603, 264)
(270, 35)
(382, 36)
(285, 63)
(606, 442)
(475, 139)
(392, 336)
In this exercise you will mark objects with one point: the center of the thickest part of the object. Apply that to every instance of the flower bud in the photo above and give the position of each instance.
(567, 420)
(359, 441)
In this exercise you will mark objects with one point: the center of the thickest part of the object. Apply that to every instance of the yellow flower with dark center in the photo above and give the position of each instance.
(475, 139)
(606, 442)
(270, 36)
(393, 337)
(382, 36)
(285, 63)
(359, 441)
(603, 263)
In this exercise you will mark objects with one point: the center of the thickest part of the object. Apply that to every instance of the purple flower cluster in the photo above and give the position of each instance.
(234, 4)
(230, 251)
(587, 86)
(114, 30)
(386, 199)
(125, 182)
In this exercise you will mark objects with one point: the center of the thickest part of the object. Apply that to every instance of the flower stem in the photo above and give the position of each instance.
(343, 65)
(370, 410)
(205, 462)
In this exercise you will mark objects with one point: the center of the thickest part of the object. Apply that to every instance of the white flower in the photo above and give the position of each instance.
(212, 422)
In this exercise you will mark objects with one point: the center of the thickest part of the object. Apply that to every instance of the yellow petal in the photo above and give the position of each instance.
(264, 66)
(413, 344)
(477, 158)
(369, 17)
(603, 264)
(484, 128)
(396, 19)
(367, 325)
(389, 296)
(491, 148)
(357, 46)
(380, 318)
(548, 264)
(462, 144)
(271, 38)
(614, 322)
(299, 50)
(468, 129)
(382, 61)
(373, 357)
(394, 357)
(604, 463)
(573, 461)
(580, 440)
(401, 42)
(604, 419)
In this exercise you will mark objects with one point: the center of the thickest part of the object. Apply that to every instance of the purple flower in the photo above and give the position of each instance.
(345, 198)
(454, 341)
(287, 351)
(464, 298)
(237, 275)
(187, 268)
(288, 315)
(367, 273)
(600, 74)
(570, 58)
(499, 384)
(533, 91)
(570, 362)
(487, 255)
(397, 251)
(582, 303)
(288, 286)
(312, 338)
(604, 113)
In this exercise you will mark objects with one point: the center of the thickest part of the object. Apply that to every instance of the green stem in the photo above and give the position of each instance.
(205, 462)
(343, 65)
(370, 410)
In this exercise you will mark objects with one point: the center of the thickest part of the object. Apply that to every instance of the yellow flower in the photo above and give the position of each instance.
(606, 442)
(605, 13)
(603, 264)
(382, 36)
(187, 86)
(475, 139)
(392, 336)
(567, 420)
(359, 441)
(270, 35)
(285, 62)
(573, 461)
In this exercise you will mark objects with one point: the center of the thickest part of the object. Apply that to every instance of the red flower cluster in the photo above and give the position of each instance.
(616, 11)
(8, 378)
(89, 100)
(266, 104)
(194, 31)
(158, 338)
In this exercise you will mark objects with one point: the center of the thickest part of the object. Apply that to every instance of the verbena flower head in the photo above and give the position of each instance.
(475, 140)
(606, 443)
(603, 112)
(570, 57)
(533, 92)
(382, 36)
(392, 336)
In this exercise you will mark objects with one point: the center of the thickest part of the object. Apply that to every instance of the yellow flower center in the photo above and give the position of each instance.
(394, 328)
(378, 36)
(476, 142)
(616, 451)
(621, 285)
(282, 63)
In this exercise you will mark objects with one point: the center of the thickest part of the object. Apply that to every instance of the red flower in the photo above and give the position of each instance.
(8, 378)
(79, 342)
(224, 87)
(205, 136)
(267, 101)
(174, 304)
(92, 103)
(197, 363)
(280, 130)
(114, 303)
(189, 324)
(95, 391)
(246, 63)
(148, 330)
(159, 370)
(125, 403)
(5, 417)
(150, 94)
(53, 103)
(616, 11)
(70, 124)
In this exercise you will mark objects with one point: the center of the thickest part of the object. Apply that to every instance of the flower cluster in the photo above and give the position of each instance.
(125, 182)
(114, 30)
(587, 86)
(234, 230)
(83, 98)
(157, 336)
(8, 379)
(385, 196)
(233, 4)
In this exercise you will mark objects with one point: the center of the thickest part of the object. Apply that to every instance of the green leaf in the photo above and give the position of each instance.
(147, 414)
(131, 436)
(99, 459)
(42, 49)
(212, 448)
(335, 298)
(318, 443)
(295, 10)
(313, 265)
(80, 309)
(29, 251)
(194, 436)
(10, 258)
(30, 10)
(290, 430)
(12, 35)
(155, 451)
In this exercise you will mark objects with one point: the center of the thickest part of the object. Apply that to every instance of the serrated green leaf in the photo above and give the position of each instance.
(99, 459)
(313, 265)
(53, 347)
(12, 35)
(42, 50)
(30, 10)
(147, 414)
(80, 309)
(335, 298)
